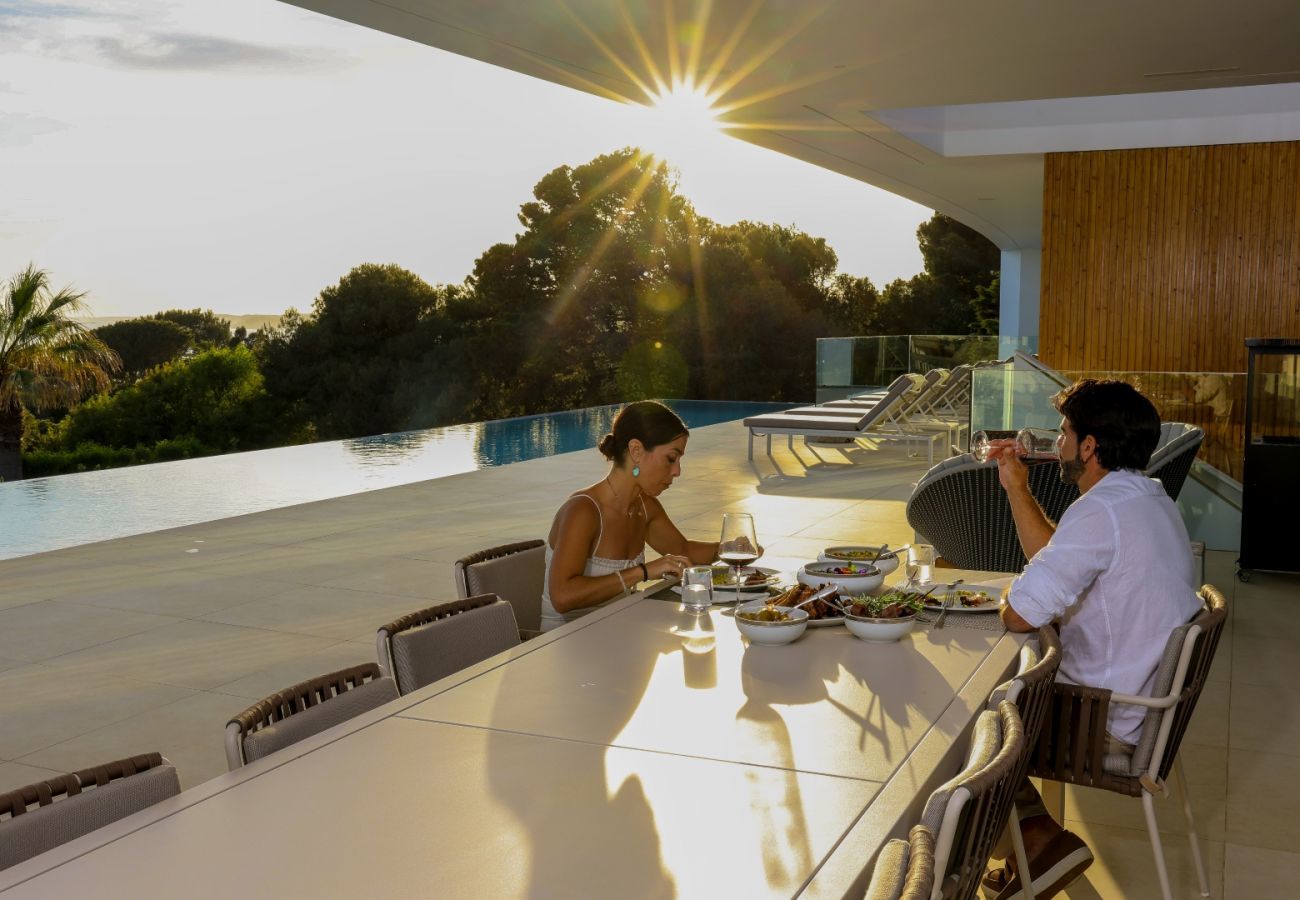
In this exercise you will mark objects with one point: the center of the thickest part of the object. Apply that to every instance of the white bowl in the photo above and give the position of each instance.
(866, 579)
(879, 630)
(887, 562)
(772, 632)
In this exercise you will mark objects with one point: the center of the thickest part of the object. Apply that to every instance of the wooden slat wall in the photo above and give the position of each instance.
(1167, 259)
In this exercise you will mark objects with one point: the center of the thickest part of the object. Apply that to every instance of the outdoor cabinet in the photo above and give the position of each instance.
(1270, 494)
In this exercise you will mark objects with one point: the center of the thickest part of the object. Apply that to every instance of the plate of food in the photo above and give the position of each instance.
(752, 578)
(821, 613)
(968, 597)
(882, 558)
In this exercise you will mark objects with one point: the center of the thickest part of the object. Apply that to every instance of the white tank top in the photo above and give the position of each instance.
(596, 566)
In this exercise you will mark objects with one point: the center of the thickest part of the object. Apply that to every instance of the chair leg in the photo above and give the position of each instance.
(1148, 808)
(1022, 862)
(1191, 826)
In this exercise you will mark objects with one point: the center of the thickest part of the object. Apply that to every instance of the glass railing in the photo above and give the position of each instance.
(1011, 395)
(849, 365)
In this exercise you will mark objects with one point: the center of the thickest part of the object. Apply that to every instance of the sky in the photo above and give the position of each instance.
(242, 155)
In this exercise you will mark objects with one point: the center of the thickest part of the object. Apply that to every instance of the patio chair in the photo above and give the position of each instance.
(308, 708)
(881, 422)
(960, 507)
(41, 816)
(1072, 747)
(515, 573)
(1174, 455)
(904, 869)
(1031, 691)
(968, 813)
(424, 646)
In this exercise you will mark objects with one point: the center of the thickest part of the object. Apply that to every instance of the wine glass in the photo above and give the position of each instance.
(1037, 444)
(738, 546)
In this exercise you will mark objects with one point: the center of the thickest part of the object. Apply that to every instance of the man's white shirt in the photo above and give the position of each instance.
(1118, 574)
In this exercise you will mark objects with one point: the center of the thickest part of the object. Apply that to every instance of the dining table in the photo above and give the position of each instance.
(642, 750)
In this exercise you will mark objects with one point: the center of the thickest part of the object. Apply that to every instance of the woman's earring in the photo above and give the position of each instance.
(636, 470)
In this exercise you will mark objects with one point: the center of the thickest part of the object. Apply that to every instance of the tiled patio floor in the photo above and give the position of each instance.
(152, 642)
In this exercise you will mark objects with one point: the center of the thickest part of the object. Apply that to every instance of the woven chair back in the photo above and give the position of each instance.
(515, 573)
(984, 536)
(41, 816)
(420, 648)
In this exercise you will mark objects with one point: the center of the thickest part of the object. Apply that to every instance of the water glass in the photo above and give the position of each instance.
(920, 563)
(697, 588)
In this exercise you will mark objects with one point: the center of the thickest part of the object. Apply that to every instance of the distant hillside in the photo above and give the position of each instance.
(252, 323)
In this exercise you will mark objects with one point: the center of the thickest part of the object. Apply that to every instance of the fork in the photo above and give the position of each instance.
(949, 598)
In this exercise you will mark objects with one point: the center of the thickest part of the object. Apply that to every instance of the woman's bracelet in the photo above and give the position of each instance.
(645, 573)
(621, 581)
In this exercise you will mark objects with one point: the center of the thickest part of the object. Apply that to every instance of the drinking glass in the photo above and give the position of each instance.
(1031, 443)
(697, 588)
(738, 546)
(920, 563)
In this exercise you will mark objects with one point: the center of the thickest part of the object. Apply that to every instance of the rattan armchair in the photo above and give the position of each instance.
(307, 708)
(515, 573)
(1072, 748)
(904, 869)
(968, 813)
(424, 646)
(41, 816)
(1031, 692)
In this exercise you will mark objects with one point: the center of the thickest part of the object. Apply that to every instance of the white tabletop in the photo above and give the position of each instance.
(637, 752)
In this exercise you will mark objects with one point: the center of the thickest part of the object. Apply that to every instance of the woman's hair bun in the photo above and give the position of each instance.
(606, 445)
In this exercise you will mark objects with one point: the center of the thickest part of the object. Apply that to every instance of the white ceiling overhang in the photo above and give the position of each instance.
(948, 104)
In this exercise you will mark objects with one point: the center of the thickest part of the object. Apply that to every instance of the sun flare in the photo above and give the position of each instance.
(680, 122)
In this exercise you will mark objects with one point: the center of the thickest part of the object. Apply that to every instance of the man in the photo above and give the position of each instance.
(1116, 573)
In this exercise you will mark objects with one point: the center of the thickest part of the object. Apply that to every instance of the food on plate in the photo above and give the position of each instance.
(768, 613)
(969, 599)
(817, 610)
(856, 554)
(850, 569)
(724, 577)
(889, 605)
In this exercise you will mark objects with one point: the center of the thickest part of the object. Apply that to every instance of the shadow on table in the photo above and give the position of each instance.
(616, 833)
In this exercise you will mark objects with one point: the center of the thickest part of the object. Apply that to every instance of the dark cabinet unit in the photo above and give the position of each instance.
(1270, 496)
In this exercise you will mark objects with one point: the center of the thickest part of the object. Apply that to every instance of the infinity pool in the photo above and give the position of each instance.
(66, 510)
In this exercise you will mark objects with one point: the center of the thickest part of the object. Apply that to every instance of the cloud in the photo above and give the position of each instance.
(180, 51)
(18, 129)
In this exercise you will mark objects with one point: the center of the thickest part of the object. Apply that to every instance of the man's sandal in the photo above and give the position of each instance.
(1063, 860)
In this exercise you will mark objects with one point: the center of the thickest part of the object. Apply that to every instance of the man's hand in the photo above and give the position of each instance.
(1012, 472)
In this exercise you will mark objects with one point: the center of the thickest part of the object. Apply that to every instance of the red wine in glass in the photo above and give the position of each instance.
(738, 546)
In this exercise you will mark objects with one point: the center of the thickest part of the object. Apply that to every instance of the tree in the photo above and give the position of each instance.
(358, 362)
(47, 360)
(143, 344)
(205, 327)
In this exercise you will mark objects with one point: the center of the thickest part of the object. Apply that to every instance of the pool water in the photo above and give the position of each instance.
(42, 514)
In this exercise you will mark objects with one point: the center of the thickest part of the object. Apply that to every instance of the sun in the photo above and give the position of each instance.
(681, 123)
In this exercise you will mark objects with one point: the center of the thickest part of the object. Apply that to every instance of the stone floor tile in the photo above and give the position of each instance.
(41, 631)
(180, 594)
(1264, 719)
(1263, 796)
(1265, 662)
(191, 654)
(1250, 873)
(332, 613)
(286, 673)
(418, 579)
(189, 732)
(40, 706)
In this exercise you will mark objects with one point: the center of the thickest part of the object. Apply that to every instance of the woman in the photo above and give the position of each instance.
(596, 549)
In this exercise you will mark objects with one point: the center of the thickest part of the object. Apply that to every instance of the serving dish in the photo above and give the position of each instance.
(852, 578)
(771, 633)
(880, 631)
(861, 553)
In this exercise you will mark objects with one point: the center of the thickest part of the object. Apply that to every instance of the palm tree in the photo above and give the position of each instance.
(47, 360)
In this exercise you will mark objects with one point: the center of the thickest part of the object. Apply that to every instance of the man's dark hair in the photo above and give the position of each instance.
(1123, 422)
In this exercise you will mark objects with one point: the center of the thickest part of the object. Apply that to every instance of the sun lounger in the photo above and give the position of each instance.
(881, 421)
